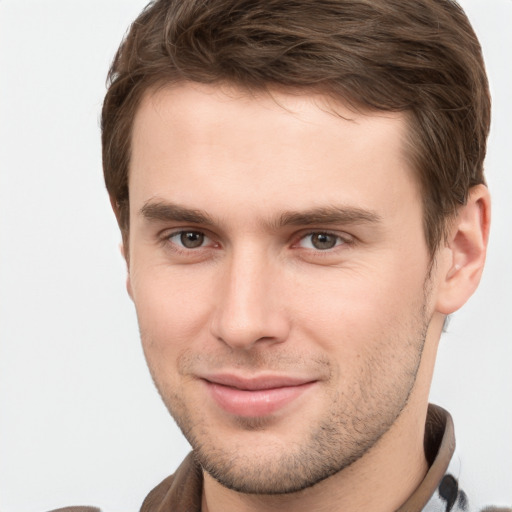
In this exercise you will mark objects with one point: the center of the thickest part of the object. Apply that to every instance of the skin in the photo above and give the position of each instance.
(307, 261)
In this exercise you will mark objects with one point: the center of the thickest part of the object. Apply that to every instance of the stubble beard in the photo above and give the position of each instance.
(359, 416)
(356, 421)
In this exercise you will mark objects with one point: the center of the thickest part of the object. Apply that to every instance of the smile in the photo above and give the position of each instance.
(255, 397)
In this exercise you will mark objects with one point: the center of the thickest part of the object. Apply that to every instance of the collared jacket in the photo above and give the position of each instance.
(440, 490)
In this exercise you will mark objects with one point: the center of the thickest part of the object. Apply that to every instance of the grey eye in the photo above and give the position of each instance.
(191, 239)
(321, 241)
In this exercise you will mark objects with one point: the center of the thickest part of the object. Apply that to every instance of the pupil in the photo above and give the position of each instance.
(192, 239)
(323, 241)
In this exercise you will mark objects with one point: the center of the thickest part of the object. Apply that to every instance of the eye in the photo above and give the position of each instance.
(189, 239)
(321, 241)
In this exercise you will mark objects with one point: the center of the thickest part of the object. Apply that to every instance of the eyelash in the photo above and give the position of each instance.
(344, 240)
(341, 240)
(166, 240)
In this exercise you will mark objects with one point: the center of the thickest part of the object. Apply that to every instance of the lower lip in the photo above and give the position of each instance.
(255, 403)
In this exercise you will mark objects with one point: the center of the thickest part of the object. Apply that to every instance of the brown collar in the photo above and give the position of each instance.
(439, 446)
(182, 492)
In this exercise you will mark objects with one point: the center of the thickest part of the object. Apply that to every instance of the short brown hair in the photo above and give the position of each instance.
(420, 57)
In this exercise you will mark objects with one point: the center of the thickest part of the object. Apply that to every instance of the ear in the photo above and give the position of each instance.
(463, 256)
(129, 285)
(123, 251)
(115, 207)
(122, 247)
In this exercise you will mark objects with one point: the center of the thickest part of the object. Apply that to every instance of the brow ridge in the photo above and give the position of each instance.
(168, 212)
(328, 215)
(171, 212)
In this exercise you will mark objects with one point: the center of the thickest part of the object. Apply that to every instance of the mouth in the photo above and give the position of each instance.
(255, 397)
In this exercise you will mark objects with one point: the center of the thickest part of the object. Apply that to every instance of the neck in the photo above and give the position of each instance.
(380, 481)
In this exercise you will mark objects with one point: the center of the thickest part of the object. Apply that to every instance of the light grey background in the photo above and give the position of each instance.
(80, 421)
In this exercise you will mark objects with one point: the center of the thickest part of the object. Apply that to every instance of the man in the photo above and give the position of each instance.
(300, 191)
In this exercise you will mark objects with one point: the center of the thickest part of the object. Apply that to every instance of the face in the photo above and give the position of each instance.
(279, 269)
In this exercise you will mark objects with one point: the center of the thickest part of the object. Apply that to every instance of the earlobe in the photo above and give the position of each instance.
(129, 286)
(465, 251)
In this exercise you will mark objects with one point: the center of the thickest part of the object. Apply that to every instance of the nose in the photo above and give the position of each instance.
(249, 309)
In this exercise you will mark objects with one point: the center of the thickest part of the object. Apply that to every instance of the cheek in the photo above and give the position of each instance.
(355, 310)
(172, 310)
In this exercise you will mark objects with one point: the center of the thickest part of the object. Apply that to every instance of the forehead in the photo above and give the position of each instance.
(282, 149)
(193, 109)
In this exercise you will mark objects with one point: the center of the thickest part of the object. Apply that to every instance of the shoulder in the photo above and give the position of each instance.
(155, 498)
(76, 509)
(180, 492)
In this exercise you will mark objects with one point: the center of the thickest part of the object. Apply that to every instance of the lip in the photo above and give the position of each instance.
(256, 396)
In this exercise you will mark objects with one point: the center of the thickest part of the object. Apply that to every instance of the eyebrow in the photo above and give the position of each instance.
(171, 212)
(164, 211)
(327, 215)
